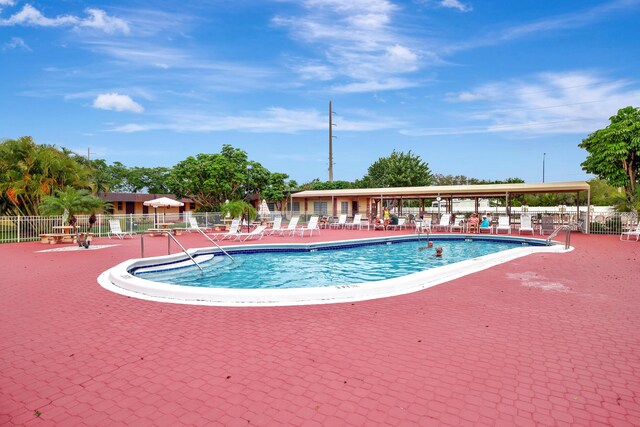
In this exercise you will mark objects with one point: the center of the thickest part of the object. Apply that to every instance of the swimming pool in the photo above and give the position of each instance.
(129, 279)
(328, 266)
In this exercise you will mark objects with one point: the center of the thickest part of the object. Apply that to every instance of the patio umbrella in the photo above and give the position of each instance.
(264, 209)
(163, 202)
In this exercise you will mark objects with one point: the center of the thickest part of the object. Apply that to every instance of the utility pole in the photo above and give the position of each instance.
(544, 155)
(331, 125)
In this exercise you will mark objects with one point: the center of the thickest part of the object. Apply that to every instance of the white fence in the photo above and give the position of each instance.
(29, 228)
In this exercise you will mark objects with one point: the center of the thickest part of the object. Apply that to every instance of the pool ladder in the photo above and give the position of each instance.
(567, 241)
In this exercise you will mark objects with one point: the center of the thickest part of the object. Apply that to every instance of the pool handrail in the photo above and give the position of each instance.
(169, 238)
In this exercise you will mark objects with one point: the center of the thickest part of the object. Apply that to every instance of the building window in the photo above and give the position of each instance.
(344, 207)
(295, 206)
(119, 206)
(192, 206)
(320, 208)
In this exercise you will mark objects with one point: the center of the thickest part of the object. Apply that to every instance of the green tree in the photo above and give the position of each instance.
(397, 170)
(73, 202)
(614, 152)
(210, 179)
(29, 172)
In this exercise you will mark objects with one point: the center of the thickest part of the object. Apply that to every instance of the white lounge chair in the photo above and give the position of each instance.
(193, 225)
(488, 228)
(116, 230)
(342, 220)
(424, 225)
(291, 227)
(276, 227)
(503, 224)
(400, 225)
(630, 233)
(234, 229)
(255, 233)
(356, 223)
(312, 226)
(443, 224)
(525, 224)
(459, 226)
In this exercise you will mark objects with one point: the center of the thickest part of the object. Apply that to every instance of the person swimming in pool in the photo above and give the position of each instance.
(438, 252)
(429, 245)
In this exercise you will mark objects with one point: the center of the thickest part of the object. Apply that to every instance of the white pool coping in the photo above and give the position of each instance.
(119, 280)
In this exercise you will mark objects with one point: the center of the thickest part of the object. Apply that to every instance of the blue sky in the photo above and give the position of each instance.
(476, 88)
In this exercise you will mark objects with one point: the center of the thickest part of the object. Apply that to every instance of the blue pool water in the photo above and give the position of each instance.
(341, 266)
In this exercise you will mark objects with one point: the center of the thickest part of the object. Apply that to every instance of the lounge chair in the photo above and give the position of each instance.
(116, 230)
(312, 226)
(459, 226)
(400, 225)
(547, 225)
(193, 225)
(291, 228)
(256, 232)
(630, 233)
(234, 229)
(423, 226)
(525, 224)
(503, 224)
(342, 220)
(356, 223)
(445, 219)
(485, 225)
(276, 227)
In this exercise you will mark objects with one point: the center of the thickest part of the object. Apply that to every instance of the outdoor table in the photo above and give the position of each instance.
(65, 229)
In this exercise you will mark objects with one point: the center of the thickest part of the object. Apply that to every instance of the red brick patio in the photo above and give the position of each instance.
(548, 339)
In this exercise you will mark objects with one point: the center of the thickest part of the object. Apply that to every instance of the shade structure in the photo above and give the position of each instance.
(264, 209)
(163, 202)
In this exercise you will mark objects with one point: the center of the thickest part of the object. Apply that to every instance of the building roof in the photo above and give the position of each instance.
(137, 197)
(484, 190)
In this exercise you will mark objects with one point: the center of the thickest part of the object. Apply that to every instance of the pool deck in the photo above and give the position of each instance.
(548, 339)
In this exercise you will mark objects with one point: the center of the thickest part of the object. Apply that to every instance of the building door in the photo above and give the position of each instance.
(130, 208)
(354, 207)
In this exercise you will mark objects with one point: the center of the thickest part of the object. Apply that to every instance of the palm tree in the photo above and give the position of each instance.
(72, 202)
(239, 208)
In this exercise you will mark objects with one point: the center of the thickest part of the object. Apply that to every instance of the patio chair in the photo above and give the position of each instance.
(400, 225)
(276, 227)
(445, 219)
(356, 223)
(312, 226)
(485, 225)
(459, 226)
(116, 230)
(630, 233)
(503, 224)
(525, 224)
(423, 226)
(342, 220)
(234, 229)
(291, 228)
(193, 225)
(547, 225)
(255, 233)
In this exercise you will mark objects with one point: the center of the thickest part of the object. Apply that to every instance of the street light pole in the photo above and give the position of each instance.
(544, 155)
(248, 179)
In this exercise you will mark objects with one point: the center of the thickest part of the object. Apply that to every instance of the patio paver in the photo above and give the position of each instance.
(548, 339)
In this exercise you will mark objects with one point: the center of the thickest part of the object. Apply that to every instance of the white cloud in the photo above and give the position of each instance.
(16, 43)
(356, 40)
(98, 19)
(271, 120)
(576, 102)
(117, 102)
(455, 4)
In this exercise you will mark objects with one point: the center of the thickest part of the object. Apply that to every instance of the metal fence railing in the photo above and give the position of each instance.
(29, 228)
